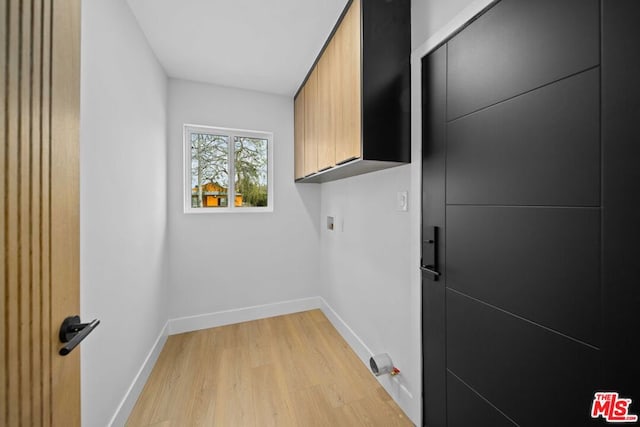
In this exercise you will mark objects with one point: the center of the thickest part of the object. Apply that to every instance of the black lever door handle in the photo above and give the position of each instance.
(73, 332)
(429, 262)
(429, 269)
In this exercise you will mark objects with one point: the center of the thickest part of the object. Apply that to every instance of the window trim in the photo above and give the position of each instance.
(187, 128)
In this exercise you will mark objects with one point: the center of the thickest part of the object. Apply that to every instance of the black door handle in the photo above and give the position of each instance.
(430, 254)
(429, 269)
(73, 332)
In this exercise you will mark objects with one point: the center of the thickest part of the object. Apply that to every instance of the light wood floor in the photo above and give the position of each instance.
(293, 370)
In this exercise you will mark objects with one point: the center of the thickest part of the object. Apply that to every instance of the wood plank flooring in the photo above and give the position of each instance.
(293, 370)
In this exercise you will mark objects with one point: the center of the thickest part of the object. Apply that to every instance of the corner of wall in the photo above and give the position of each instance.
(133, 392)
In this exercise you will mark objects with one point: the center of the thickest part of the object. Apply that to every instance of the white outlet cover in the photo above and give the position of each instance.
(402, 201)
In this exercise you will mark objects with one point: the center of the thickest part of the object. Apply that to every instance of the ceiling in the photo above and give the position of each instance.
(263, 45)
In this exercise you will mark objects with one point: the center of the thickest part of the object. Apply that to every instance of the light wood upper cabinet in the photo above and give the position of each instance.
(355, 100)
(298, 124)
(326, 108)
(311, 120)
(348, 125)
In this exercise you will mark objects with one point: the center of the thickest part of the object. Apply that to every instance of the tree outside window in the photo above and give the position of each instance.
(215, 154)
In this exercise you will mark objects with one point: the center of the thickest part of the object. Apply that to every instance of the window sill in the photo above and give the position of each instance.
(199, 211)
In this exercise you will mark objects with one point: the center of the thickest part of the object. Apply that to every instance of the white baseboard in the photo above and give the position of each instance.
(354, 341)
(393, 385)
(131, 396)
(228, 317)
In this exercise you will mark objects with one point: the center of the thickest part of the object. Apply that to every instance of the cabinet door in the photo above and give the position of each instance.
(311, 124)
(299, 119)
(348, 74)
(338, 92)
(326, 113)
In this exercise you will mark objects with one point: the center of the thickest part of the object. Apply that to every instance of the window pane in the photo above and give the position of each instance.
(251, 171)
(209, 170)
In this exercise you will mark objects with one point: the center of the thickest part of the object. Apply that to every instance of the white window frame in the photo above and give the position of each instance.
(231, 133)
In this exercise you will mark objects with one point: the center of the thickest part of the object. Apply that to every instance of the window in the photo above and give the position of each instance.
(227, 170)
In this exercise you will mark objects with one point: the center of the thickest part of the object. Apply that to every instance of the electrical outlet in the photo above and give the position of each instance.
(402, 201)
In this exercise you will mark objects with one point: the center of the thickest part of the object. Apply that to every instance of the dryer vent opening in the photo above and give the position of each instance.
(381, 364)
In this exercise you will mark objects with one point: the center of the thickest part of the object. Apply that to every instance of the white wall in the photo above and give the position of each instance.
(227, 261)
(430, 16)
(367, 272)
(122, 204)
(371, 269)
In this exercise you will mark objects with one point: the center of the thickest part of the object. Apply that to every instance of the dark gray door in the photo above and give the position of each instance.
(530, 203)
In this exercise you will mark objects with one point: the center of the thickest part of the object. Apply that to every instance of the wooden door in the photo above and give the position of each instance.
(529, 227)
(39, 210)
